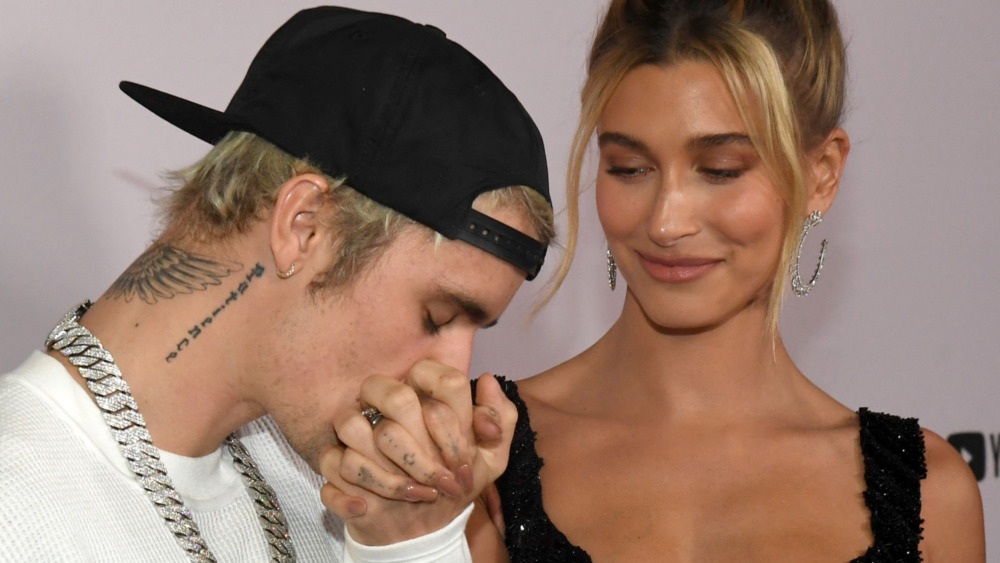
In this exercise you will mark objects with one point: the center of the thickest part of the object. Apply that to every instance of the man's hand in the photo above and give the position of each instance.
(426, 460)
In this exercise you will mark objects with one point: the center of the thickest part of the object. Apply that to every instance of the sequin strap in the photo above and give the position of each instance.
(893, 450)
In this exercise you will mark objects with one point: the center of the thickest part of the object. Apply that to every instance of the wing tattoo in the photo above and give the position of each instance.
(164, 272)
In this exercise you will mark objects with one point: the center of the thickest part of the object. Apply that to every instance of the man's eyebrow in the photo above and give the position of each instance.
(620, 139)
(718, 140)
(470, 307)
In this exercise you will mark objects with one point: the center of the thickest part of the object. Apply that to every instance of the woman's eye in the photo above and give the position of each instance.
(628, 172)
(723, 174)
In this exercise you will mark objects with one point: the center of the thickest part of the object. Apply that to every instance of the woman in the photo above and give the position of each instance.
(686, 433)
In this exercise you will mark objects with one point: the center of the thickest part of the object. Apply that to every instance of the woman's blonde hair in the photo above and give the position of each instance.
(784, 64)
(235, 185)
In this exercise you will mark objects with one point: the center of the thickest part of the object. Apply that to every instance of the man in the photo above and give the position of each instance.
(375, 195)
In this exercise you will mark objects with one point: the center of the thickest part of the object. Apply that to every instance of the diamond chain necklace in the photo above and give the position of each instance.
(121, 413)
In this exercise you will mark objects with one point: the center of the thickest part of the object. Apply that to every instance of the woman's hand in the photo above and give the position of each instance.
(424, 461)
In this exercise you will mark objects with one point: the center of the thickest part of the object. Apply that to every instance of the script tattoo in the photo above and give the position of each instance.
(198, 327)
(163, 272)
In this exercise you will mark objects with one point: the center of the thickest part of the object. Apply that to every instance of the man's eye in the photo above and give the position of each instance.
(435, 321)
(431, 327)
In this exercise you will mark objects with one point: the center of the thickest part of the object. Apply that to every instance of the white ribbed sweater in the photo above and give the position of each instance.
(66, 493)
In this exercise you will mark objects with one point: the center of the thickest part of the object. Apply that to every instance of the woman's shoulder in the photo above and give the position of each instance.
(952, 509)
(918, 481)
(554, 386)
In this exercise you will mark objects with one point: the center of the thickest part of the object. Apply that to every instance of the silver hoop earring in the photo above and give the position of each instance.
(612, 271)
(803, 289)
(287, 274)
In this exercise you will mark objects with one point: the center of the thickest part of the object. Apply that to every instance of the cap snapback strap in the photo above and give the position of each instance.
(503, 242)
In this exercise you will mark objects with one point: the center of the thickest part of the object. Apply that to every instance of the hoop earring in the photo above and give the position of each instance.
(612, 271)
(803, 289)
(287, 274)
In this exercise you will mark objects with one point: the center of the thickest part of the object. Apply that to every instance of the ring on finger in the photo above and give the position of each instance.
(373, 415)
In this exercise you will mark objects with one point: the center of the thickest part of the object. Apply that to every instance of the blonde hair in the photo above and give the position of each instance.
(235, 185)
(784, 64)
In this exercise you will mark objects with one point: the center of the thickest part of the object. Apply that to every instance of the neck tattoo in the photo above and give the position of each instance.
(121, 413)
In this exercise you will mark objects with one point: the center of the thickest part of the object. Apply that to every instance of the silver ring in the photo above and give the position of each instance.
(373, 415)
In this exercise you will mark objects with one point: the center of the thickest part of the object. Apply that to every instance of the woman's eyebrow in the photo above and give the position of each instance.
(620, 139)
(718, 140)
(698, 142)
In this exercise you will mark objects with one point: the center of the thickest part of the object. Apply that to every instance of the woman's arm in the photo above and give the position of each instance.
(483, 536)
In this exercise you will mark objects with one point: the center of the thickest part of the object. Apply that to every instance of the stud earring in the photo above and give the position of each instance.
(612, 270)
(803, 289)
(287, 274)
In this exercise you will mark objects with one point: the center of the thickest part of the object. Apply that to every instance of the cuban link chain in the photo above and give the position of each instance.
(121, 413)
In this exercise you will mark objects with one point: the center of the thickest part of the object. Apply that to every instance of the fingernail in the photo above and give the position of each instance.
(357, 507)
(464, 476)
(415, 492)
(450, 487)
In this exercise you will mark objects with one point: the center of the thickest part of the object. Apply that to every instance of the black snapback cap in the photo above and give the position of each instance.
(411, 119)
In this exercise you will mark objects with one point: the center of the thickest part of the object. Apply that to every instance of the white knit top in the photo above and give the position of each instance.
(66, 493)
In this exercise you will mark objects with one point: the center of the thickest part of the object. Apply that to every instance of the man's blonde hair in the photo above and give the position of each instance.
(236, 183)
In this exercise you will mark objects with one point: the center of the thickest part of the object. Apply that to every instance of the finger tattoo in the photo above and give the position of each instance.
(365, 476)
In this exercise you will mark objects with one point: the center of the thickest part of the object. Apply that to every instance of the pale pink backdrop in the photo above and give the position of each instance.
(905, 318)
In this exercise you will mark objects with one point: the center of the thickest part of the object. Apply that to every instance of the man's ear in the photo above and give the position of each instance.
(826, 166)
(296, 230)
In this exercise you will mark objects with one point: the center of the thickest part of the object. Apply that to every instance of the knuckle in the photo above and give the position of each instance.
(453, 380)
(436, 411)
(371, 384)
(353, 430)
(505, 411)
(330, 460)
(401, 398)
(353, 470)
(328, 495)
(426, 372)
(426, 367)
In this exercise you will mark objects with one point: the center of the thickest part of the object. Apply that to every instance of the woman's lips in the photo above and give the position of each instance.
(677, 270)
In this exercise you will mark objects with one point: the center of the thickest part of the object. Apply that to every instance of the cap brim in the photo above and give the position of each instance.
(205, 123)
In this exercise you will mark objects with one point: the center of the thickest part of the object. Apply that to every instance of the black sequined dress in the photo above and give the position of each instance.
(893, 451)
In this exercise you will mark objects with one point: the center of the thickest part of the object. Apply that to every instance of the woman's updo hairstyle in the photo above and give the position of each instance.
(784, 64)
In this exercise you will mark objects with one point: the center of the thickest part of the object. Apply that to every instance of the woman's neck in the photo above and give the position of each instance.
(733, 369)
